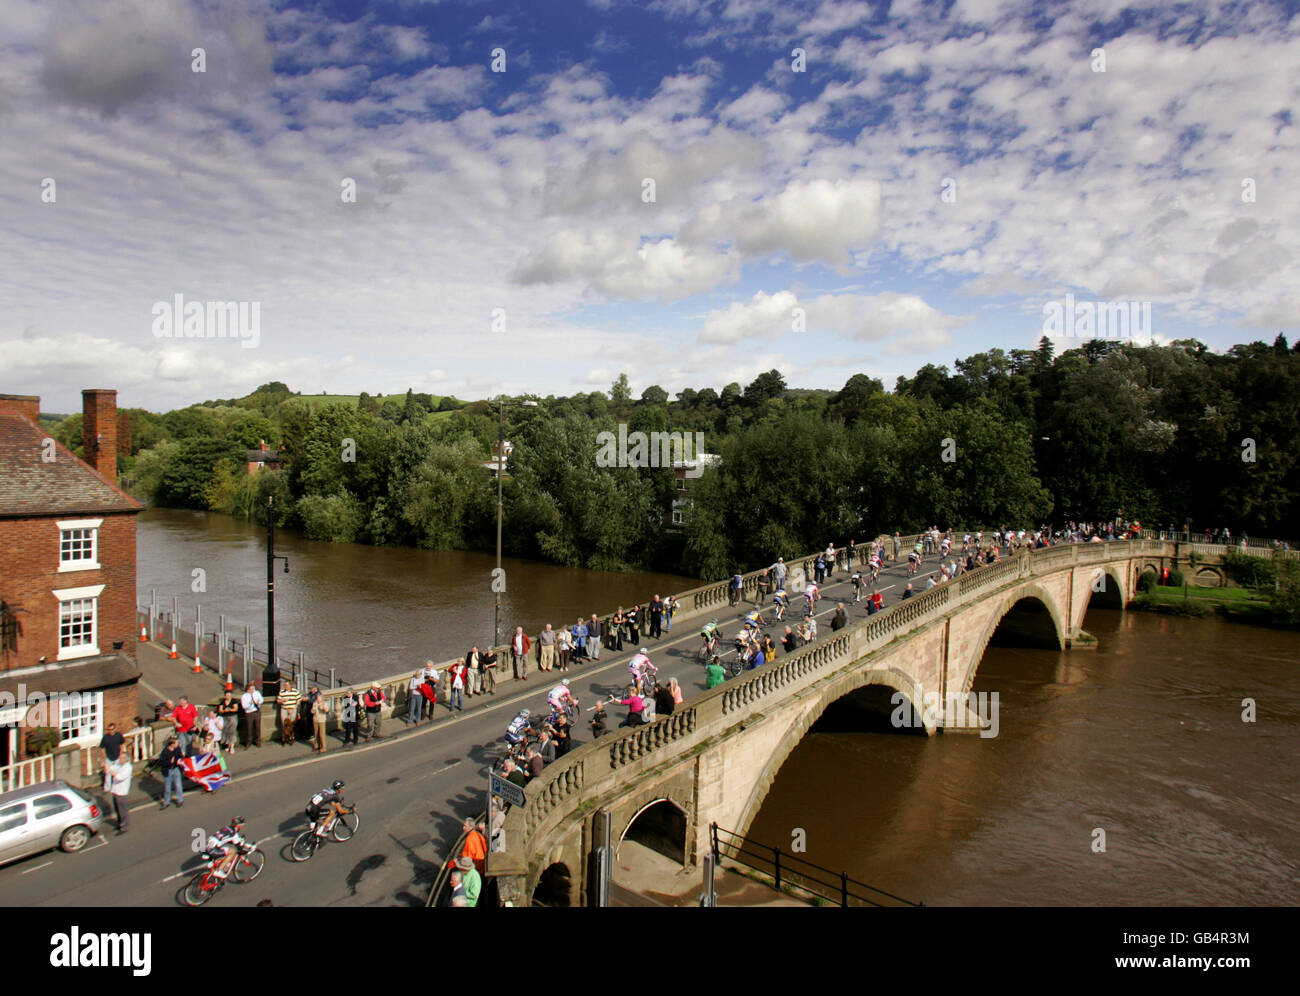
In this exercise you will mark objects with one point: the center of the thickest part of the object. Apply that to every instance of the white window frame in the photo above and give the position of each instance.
(83, 564)
(92, 702)
(679, 517)
(91, 649)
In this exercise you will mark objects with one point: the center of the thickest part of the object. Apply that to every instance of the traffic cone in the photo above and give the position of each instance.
(197, 669)
(173, 655)
(144, 633)
(230, 675)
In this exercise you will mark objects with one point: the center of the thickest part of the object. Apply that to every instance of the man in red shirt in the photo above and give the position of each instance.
(183, 718)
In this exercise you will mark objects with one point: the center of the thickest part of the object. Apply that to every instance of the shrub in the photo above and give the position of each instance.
(1248, 571)
(1175, 578)
(1146, 581)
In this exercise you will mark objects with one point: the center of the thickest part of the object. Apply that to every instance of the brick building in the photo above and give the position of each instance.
(67, 579)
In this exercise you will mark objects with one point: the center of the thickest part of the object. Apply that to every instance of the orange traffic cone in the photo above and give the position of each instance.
(230, 675)
(173, 655)
(144, 633)
(197, 669)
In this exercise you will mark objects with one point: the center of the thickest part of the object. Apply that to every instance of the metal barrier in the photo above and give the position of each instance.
(790, 869)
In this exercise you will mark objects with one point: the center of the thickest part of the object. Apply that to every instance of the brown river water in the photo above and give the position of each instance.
(366, 611)
(1142, 738)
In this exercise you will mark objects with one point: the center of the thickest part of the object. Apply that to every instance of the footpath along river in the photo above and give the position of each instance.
(366, 611)
(1142, 738)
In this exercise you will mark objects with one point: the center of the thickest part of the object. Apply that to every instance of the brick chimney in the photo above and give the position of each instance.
(26, 405)
(99, 430)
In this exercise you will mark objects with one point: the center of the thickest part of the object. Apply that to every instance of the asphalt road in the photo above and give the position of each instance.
(412, 790)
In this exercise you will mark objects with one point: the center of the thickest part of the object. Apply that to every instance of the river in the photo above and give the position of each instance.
(366, 611)
(1142, 738)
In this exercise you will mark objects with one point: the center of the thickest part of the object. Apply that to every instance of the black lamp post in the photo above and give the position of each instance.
(501, 443)
(271, 673)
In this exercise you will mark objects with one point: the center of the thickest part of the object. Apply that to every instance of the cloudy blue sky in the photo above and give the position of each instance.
(935, 175)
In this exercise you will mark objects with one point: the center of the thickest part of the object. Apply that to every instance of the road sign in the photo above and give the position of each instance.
(508, 791)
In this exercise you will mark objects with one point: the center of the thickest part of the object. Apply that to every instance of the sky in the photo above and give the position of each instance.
(688, 191)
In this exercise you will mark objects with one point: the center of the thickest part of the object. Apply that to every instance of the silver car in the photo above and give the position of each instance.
(51, 814)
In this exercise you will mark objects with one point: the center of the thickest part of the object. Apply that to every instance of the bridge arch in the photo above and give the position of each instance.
(811, 711)
(1111, 593)
(662, 826)
(1031, 593)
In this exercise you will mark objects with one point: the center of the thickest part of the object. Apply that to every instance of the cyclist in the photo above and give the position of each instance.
(710, 635)
(856, 580)
(561, 697)
(326, 801)
(811, 593)
(754, 620)
(641, 669)
(520, 729)
(780, 600)
(224, 846)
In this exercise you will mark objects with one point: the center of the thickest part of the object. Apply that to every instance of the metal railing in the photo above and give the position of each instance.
(791, 870)
(444, 873)
(31, 771)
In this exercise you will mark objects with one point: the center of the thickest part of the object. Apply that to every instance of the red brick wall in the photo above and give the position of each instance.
(29, 572)
(99, 430)
(26, 405)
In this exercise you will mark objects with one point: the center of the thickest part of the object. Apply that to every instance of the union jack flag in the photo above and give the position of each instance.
(205, 770)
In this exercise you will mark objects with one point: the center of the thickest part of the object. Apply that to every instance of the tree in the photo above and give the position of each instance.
(620, 393)
(765, 387)
(654, 395)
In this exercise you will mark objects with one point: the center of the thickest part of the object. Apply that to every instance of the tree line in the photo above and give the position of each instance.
(1164, 434)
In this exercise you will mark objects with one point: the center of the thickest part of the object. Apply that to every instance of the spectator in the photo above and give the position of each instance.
(288, 701)
(675, 690)
(351, 718)
(169, 762)
(670, 608)
(597, 723)
(456, 693)
(633, 620)
(635, 708)
(788, 641)
(656, 609)
(475, 846)
(490, 672)
(547, 641)
(714, 675)
(119, 773)
(416, 711)
(374, 700)
(251, 703)
(429, 688)
(618, 623)
(840, 618)
(513, 774)
(228, 710)
(535, 763)
(320, 711)
(664, 702)
(473, 667)
(546, 746)
(110, 746)
(908, 592)
(519, 647)
(563, 648)
(594, 632)
(183, 719)
(470, 880)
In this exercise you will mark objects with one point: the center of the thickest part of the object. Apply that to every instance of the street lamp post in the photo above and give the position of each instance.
(271, 673)
(501, 456)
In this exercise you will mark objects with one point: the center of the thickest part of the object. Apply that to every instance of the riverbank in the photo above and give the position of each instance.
(1242, 605)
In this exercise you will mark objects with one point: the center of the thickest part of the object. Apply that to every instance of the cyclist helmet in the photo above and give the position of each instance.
(644, 650)
(236, 821)
(565, 683)
(524, 712)
(336, 786)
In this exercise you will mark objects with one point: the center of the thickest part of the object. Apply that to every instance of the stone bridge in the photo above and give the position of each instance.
(714, 759)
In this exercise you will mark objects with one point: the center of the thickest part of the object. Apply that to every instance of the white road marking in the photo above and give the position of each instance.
(38, 868)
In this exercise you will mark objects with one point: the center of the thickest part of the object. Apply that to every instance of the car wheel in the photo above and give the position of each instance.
(75, 838)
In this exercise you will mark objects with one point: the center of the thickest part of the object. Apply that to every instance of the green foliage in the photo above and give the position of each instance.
(1250, 571)
(187, 474)
(1284, 599)
(1175, 579)
(337, 518)
(1147, 580)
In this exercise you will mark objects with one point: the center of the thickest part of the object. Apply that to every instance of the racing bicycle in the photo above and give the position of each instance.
(343, 826)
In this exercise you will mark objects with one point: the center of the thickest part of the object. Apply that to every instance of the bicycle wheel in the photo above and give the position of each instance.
(202, 887)
(345, 826)
(305, 845)
(248, 867)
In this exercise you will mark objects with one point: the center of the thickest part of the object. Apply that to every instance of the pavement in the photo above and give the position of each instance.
(412, 788)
